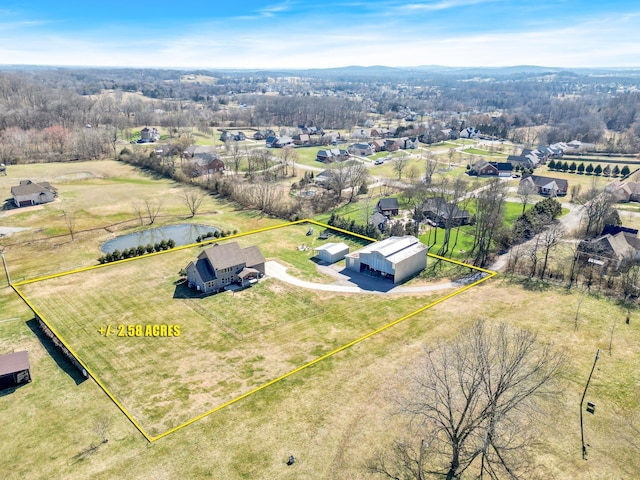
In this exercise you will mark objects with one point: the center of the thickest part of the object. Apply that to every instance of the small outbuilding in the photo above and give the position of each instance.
(331, 252)
(14, 369)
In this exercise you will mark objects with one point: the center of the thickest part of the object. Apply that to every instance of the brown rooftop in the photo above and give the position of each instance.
(14, 362)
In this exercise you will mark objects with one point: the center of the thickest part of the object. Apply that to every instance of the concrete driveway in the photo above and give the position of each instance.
(347, 281)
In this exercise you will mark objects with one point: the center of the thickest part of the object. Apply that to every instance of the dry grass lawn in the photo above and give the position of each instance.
(229, 343)
(333, 416)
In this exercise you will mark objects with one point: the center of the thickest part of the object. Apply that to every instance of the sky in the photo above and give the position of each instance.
(320, 33)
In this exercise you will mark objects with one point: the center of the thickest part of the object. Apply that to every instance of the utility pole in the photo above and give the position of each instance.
(584, 448)
(6, 270)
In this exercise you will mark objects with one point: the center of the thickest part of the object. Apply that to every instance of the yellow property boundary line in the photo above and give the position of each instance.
(489, 274)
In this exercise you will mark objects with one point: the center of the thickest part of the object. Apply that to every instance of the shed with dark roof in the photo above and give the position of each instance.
(14, 369)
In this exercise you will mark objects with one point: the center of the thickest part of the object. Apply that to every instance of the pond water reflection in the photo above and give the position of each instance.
(182, 234)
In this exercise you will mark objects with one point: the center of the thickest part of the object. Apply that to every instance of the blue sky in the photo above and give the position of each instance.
(323, 33)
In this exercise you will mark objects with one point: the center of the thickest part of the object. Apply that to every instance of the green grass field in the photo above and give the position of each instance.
(229, 343)
(333, 416)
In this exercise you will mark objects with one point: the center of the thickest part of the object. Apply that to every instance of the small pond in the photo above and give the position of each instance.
(182, 234)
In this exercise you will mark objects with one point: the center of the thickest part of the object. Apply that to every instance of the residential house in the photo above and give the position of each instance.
(331, 252)
(379, 220)
(443, 213)
(149, 135)
(31, 193)
(451, 133)
(222, 265)
(382, 132)
(609, 251)
(283, 141)
(361, 149)
(215, 165)
(392, 144)
(301, 139)
(469, 132)
(551, 151)
(504, 168)
(330, 138)
(395, 258)
(624, 191)
(378, 145)
(528, 159)
(388, 206)
(410, 143)
(549, 186)
(483, 168)
(324, 178)
(332, 155)
(232, 136)
(359, 132)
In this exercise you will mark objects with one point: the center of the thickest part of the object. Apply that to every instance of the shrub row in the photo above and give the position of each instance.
(137, 251)
(588, 169)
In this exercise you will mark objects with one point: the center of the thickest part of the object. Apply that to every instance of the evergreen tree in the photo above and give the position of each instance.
(606, 171)
(615, 171)
(573, 167)
(597, 170)
(589, 169)
(625, 171)
(581, 168)
(565, 167)
(551, 165)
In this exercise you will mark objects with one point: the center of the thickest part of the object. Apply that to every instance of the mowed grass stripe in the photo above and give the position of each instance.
(271, 329)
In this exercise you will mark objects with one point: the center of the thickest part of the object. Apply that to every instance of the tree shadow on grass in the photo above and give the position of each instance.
(534, 285)
(55, 353)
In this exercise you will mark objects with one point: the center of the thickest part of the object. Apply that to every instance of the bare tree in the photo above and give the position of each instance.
(233, 148)
(288, 156)
(138, 208)
(153, 209)
(471, 405)
(70, 222)
(597, 206)
(339, 179)
(193, 198)
(357, 176)
(489, 212)
(430, 167)
(550, 238)
(400, 163)
(101, 428)
(525, 191)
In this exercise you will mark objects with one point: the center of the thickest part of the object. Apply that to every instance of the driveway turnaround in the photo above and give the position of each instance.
(350, 282)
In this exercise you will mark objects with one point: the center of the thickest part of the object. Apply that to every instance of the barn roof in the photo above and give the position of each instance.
(14, 362)
(395, 249)
(332, 248)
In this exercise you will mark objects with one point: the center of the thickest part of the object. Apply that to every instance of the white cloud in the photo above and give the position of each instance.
(597, 42)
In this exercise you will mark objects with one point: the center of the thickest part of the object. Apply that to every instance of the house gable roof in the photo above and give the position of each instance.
(27, 187)
(547, 182)
(388, 204)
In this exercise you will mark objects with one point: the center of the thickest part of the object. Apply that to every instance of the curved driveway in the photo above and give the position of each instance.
(350, 282)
